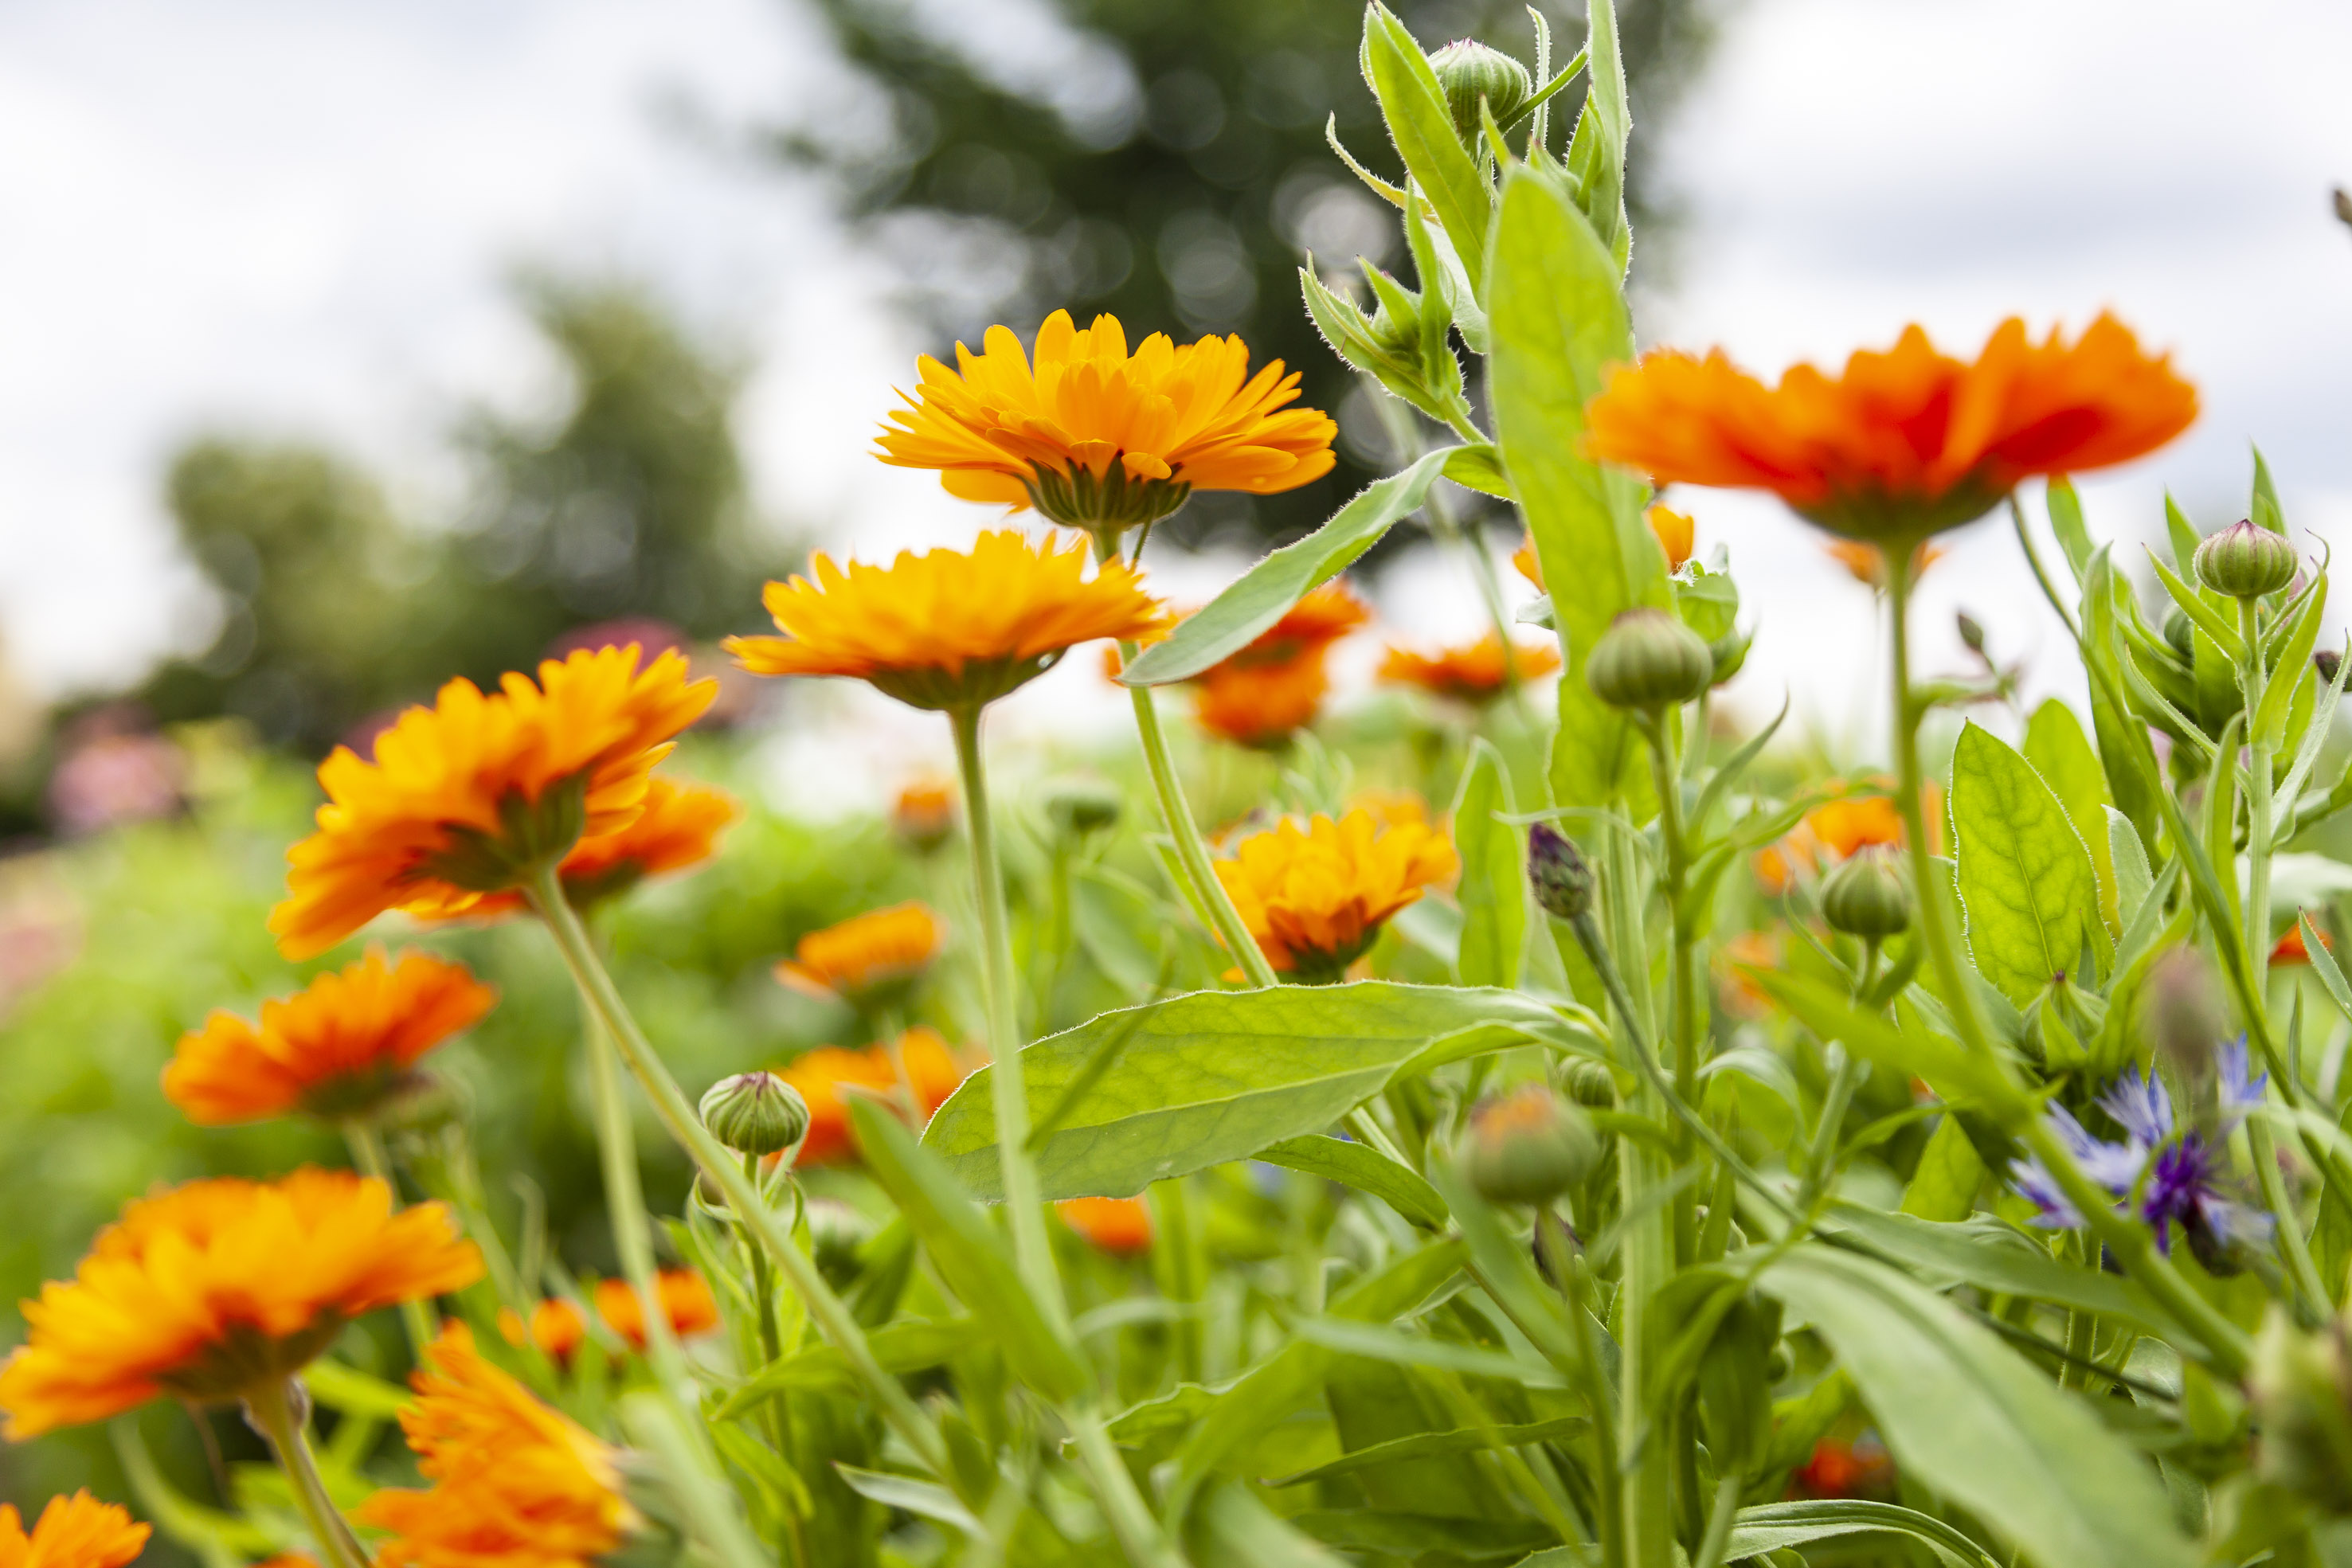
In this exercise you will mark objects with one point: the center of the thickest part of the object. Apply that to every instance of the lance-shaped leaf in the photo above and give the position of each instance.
(1492, 892)
(2026, 885)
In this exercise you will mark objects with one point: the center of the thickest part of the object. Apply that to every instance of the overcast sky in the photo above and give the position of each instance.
(286, 216)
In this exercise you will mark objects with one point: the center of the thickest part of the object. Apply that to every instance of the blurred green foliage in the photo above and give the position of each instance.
(1163, 160)
(629, 502)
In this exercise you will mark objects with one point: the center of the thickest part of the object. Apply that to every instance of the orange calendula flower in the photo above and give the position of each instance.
(77, 1531)
(1101, 439)
(1119, 1225)
(514, 1484)
(865, 955)
(215, 1287)
(947, 629)
(1261, 705)
(1866, 563)
(556, 1327)
(1906, 442)
(337, 1049)
(821, 1075)
(924, 814)
(464, 799)
(2292, 949)
(1316, 897)
(1473, 673)
(1838, 830)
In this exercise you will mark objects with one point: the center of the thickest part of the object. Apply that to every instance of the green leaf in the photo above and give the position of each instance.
(2201, 611)
(1968, 1419)
(1944, 1185)
(1418, 1536)
(975, 1262)
(1559, 321)
(925, 1500)
(1501, 1262)
(1381, 1342)
(2291, 672)
(1364, 1168)
(1422, 1445)
(1221, 1075)
(1479, 468)
(1992, 1256)
(910, 1345)
(2128, 855)
(2066, 522)
(1493, 897)
(354, 1392)
(1422, 126)
(1905, 1048)
(2266, 512)
(2134, 776)
(1264, 594)
(1778, 1526)
(2059, 751)
(2025, 880)
(1596, 149)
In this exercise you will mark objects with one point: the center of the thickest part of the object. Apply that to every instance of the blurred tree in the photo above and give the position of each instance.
(628, 503)
(1162, 160)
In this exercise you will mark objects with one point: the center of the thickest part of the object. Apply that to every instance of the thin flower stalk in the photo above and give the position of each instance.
(274, 1409)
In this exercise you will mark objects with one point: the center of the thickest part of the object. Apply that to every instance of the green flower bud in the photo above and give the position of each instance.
(2328, 661)
(1559, 875)
(1468, 70)
(836, 1232)
(1729, 652)
(2181, 632)
(1647, 659)
(1078, 807)
(2181, 1009)
(2245, 561)
(755, 1113)
(1589, 1082)
(1971, 631)
(1529, 1148)
(2300, 1389)
(1866, 896)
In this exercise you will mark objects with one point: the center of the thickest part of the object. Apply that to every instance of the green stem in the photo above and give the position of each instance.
(1172, 1208)
(270, 1408)
(829, 1313)
(1559, 1254)
(1139, 1535)
(1684, 1002)
(1718, 1522)
(625, 1194)
(1033, 1252)
(778, 1411)
(360, 1135)
(1192, 854)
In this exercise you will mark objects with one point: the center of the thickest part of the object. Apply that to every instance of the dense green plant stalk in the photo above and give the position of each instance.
(632, 1229)
(274, 1408)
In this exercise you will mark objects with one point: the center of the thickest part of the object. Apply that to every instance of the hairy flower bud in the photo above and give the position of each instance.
(2301, 1388)
(1078, 807)
(1647, 659)
(1468, 70)
(1529, 1148)
(2181, 632)
(1729, 652)
(1559, 875)
(755, 1113)
(2328, 661)
(2245, 561)
(1589, 1082)
(1971, 631)
(1866, 896)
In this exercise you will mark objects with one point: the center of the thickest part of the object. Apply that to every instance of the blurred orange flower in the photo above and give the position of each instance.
(2291, 949)
(514, 1484)
(214, 1287)
(1866, 563)
(1904, 443)
(1120, 1226)
(1472, 673)
(1837, 829)
(948, 629)
(867, 954)
(1675, 532)
(924, 814)
(556, 1327)
(1315, 898)
(77, 1531)
(336, 1048)
(1132, 434)
(462, 797)
(821, 1075)
(1260, 705)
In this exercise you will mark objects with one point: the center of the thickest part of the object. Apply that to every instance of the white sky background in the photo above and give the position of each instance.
(279, 216)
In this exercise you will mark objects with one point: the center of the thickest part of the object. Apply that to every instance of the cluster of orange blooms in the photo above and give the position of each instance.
(1839, 828)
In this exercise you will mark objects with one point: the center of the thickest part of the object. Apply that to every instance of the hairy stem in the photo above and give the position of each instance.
(624, 1193)
(271, 1409)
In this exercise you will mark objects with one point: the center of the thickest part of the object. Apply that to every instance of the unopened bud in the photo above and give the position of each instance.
(2184, 1016)
(2181, 632)
(1866, 897)
(1729, 652)
(836, 1232)
(2245, 561)
(1971, 631)
(1468, 70)
(1529, 1148)
(2328, 661)
(1560, 877)
(1647, 659)
(1589, 1082)
(2300, 1389)
(755, 1113)
(1078, 807)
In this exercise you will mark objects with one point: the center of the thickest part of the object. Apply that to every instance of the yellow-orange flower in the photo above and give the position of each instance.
(1390, 807)
(464, 796)
(1866, 563)
(1906, 442)
(924, 813)
(2292, 949)
(1321, 618)
(678, 828)
(1674, 533)
(1095, 437)
(335, 1049)
(1120, 1226)
(1315, 898)
(1473, 673)
(210, 1289)
(516, 1485)
(1838, 830)
(1260, 705)
(866, 954)
(947, 629)
(77, 1531)
(557, 1328)
(821, 1075)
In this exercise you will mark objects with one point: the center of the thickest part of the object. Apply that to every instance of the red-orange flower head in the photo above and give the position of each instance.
(469, 798)
(948, 629)
(211, 1288)
(867, 958)
(514, 1484)
(1906, 442)
(77, 1531)
(1102, 440)
(1473, 673)
(821, 1076)
(338, 1048)
(1119, 1225)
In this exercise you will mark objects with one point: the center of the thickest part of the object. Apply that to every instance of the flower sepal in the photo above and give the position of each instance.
(531, 836)
(1105, 505)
